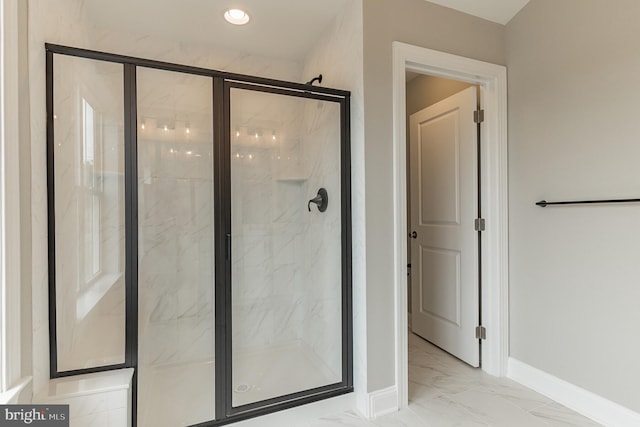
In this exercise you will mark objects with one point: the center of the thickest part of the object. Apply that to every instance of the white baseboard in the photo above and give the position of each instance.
(378, 403)
(580, 400)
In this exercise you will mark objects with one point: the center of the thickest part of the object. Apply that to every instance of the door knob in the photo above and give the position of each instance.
(413, 235)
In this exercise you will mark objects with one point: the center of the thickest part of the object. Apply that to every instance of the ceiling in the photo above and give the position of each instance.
(499, 11)
(268, 34)
(270, 31)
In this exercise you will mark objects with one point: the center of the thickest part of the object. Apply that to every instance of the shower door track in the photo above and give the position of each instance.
(225, 412)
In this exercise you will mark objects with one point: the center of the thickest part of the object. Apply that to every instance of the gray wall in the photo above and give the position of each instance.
(573, 134)
(425, 90)
(424, 24)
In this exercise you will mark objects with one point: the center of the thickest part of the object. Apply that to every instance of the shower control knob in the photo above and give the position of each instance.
(413, 235)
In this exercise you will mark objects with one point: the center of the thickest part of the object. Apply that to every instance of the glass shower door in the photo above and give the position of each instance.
(175, 247)
(286, 253)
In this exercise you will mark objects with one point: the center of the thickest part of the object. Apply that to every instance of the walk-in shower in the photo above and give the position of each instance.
(199, 232)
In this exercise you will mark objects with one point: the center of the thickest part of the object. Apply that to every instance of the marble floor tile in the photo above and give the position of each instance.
(419, 392)
(446, 392)
(436, 377)
(557, 415)
(348, 419)
(442, 411)
(495, 410)
(407, 417)
(517, 394)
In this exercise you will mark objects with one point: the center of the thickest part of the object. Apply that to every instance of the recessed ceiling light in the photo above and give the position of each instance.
(236, 16)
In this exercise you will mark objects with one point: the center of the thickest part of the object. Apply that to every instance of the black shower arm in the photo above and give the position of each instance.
(315, 79)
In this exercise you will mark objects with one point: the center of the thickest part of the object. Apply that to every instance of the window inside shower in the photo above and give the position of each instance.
(200, 232)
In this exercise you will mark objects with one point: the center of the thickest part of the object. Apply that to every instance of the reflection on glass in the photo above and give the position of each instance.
(175, 249)
(286, 261)
(89, 212)
(92, 196)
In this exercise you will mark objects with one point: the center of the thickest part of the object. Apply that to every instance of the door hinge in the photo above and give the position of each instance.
(481, 333)
(478, 116)
(479, 224)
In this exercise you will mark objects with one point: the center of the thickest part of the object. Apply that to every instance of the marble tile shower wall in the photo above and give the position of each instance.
(268, 204)
(322, 324)
(67, 22)
(175, 218)
(287, 261)
(256, 322)
(338, 56)
(176, 256)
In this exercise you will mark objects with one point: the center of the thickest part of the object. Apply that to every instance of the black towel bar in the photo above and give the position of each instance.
(544, 203)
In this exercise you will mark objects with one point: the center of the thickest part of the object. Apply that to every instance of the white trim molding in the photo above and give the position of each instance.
(590, 405)
(378, 403)
(492, 80)
(10, 295)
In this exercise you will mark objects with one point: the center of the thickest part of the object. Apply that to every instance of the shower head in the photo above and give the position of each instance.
(315, 79)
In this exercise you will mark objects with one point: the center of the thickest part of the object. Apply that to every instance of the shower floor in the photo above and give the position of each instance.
(262, 375)
(176, 395)
(183, 394)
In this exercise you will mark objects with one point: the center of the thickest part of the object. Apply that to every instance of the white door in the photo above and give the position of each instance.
(444, 248)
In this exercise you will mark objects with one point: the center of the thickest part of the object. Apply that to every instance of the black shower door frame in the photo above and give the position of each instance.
(223, 82)
(223, 337)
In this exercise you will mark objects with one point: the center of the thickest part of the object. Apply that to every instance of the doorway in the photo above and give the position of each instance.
(443, 203)
(492, 81)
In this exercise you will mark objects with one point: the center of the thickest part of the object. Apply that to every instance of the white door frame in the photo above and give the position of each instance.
(493, 97)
